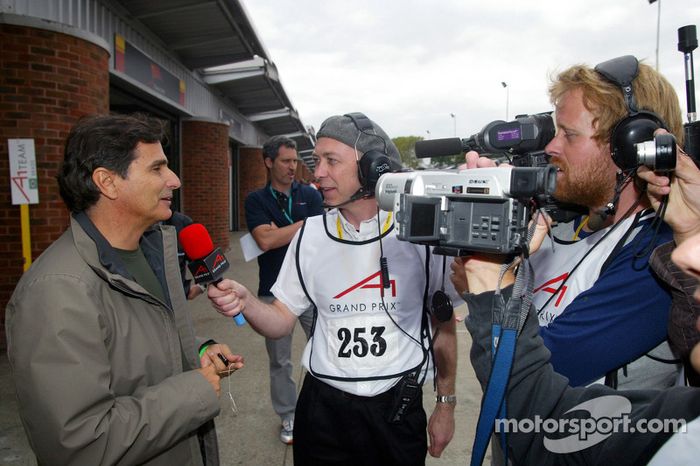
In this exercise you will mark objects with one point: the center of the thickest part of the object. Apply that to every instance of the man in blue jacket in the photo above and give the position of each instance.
(550, 422)
(603, 313)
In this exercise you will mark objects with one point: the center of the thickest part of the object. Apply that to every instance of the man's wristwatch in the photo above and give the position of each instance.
(451, 399)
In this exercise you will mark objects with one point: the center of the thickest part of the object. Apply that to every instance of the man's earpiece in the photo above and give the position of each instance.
(373, 163)
(638, 126)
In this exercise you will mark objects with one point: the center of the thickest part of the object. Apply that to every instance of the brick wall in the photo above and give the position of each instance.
(252, 176)
(303, 173)
(205, 177)
(47, 81)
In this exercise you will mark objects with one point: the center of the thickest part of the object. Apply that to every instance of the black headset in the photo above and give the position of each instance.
(373, 163)
(637, 126)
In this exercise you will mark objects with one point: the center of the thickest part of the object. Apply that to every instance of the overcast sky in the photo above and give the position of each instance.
(409, 64)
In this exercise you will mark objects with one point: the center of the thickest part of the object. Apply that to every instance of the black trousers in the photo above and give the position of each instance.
(332, 427)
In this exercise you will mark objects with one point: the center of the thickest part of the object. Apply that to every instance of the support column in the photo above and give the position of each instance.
(205, 177)
(48, 80)
(253, 176)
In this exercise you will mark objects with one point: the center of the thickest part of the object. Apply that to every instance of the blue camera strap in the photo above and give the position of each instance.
(507, 322)
(496, 335)
(493, 405)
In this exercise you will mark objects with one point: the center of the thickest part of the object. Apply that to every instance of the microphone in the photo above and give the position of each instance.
(359, 194)
(527, 133)
(439, 147)
(206, 262)
(598, 218)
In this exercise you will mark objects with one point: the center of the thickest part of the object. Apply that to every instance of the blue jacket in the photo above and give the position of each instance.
(262, 208)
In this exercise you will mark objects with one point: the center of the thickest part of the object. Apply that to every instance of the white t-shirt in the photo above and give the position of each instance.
(356, 347)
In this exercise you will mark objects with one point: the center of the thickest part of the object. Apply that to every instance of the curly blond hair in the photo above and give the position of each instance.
(606, 103)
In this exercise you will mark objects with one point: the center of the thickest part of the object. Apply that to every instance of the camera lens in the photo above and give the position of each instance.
(658, 154)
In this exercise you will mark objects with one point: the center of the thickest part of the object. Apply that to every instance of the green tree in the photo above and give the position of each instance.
(407, 149)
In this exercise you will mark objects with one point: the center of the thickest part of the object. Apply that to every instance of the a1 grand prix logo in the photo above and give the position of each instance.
(367, 284)
(551, 287)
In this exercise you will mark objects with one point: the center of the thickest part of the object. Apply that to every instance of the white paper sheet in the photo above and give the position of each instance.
(249, 247)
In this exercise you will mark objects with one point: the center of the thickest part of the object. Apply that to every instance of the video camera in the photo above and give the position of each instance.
(481, 210)
(522, 141)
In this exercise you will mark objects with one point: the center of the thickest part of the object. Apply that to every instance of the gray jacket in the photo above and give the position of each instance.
(536, 391)
(103, 370)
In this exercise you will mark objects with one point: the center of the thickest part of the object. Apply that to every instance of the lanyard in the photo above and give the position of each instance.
(584, 222)
(289, 205)
(387, 224)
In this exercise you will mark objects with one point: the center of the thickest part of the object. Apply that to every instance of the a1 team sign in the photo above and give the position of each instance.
(23, 178)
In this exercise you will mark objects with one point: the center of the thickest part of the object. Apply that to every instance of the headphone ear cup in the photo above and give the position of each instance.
(373, 164)
(629, 131)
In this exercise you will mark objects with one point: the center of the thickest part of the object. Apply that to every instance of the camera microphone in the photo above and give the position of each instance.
(439, 147)
(527, 133)
(598, 218)
(206, 263)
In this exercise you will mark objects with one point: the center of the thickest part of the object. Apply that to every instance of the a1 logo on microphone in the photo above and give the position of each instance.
(210, 268)
(207, 263)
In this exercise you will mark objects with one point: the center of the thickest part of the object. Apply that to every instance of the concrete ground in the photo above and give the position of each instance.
(250, 436)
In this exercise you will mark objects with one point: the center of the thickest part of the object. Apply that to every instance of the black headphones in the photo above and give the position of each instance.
(637, 126)
(373, 163)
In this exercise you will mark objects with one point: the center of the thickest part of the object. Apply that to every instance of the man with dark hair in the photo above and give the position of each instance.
(105, 361)
(274, 214)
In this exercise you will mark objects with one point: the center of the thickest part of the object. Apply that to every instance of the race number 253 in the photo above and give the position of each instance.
(361, 341)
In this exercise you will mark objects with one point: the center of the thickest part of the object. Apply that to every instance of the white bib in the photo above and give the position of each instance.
(356, 346)
(587, 256)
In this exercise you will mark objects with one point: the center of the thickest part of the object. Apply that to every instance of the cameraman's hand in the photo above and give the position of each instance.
(683, 190)
(544, 223)
(479, 273)
(458, 277)
(482, 271)
(474, 160)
